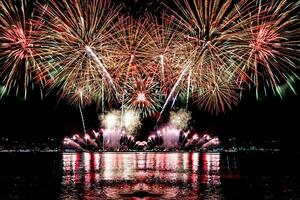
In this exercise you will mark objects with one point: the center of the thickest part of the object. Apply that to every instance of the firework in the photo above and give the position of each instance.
(3, 91)
(18, 32)
(173, 91)
(112, 138)
(269, 46)
(140, 145)
(143, 95)
(171, 138)
(105, 139)
(111, 120)
(205, 138)
(79, 97)
(77, 44)
(205, 51)
(168, 58)
(217, 96)
(207, 28)
(71, 143)
(129, 122)
(180, 119)
(129, 42)
(165, 52)
(211, 143)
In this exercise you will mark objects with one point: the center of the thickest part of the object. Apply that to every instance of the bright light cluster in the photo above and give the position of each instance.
(166, 138)
(128, 120)
(180, 119)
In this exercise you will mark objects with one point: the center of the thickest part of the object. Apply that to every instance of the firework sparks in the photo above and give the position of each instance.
(180, 119)
(165, 52)
(77, 44)
(205, 51)
(143, 95)
(207, 27)
(18, 43)
(270, 45)
(218, 96)
(111, 120)
(129, 121)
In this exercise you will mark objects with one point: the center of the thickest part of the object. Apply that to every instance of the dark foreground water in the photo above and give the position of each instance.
(87, 176)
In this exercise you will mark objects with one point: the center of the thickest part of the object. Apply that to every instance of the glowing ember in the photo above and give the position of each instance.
(141, 97)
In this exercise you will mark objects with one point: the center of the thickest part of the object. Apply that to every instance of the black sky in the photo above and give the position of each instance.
(269, 118)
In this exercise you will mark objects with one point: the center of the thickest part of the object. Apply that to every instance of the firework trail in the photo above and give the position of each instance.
(78, 97)
(90, 53)
(173, 90)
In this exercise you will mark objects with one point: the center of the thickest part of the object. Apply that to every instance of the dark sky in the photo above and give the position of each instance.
(270, 117)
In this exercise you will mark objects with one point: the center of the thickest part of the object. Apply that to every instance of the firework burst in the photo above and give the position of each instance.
(218, 96)
(79, 96)
(205, 51)
(129, 41)
(206, 27)
(165, 53)
(18, 45)
(143, 95)
(76, 46)
(269, 45)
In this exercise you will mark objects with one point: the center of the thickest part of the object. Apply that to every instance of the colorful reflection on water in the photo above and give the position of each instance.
(141, 176)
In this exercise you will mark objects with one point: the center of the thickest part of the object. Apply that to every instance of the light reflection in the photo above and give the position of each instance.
(211, 165)
(96, 161)
(67, 165)
(195, 159)
(87, 170)
(87, 159)
(168, 175)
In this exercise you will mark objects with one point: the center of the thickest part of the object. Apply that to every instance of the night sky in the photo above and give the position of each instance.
(265, 119)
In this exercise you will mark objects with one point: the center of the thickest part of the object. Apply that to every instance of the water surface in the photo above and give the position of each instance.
(149, 175)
